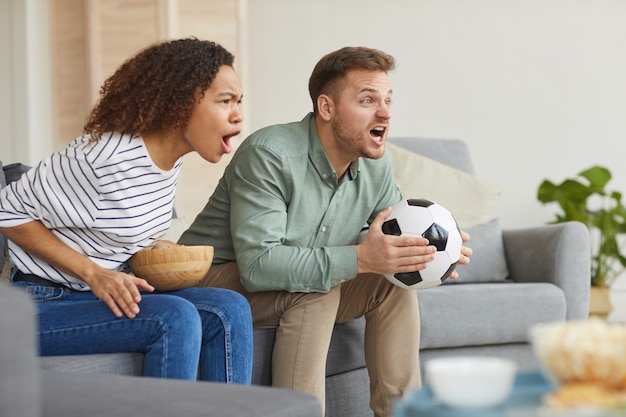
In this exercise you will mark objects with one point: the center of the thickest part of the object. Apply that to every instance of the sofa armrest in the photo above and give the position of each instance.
(19, 369)
(70, 394)
(558, 254)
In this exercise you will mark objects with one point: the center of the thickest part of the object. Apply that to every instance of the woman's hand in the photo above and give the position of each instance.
(120, 291)
(160, 244)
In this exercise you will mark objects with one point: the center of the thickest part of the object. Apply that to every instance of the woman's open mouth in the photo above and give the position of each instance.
(226, 141)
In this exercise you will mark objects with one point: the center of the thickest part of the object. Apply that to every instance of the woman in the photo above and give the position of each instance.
(75, 219)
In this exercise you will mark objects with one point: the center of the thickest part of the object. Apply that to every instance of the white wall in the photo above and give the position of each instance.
(536, 87)
(25, 81)
(7, 148)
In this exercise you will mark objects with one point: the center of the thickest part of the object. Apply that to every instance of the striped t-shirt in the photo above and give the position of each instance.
(105, 199)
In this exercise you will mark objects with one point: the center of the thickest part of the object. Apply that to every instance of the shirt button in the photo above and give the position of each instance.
(323, 228)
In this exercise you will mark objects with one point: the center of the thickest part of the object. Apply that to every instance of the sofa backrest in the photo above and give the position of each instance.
(453, 152)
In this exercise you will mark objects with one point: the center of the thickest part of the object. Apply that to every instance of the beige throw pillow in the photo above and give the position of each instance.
(470, 200)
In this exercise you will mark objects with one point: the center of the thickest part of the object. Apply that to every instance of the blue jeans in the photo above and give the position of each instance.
(185, 334)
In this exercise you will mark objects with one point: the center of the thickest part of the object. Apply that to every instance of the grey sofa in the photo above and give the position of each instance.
(28, 391)
(547, 279)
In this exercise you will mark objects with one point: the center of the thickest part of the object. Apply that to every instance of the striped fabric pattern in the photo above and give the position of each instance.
(105, 199)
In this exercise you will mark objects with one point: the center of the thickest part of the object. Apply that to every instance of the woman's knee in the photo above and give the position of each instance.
(217, 299)
(171, 312)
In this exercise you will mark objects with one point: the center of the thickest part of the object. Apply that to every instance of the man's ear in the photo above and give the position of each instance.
(325, 107)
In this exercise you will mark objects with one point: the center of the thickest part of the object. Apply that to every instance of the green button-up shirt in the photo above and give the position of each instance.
(281, 213)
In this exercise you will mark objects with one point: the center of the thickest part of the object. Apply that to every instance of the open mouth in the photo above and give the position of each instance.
(226, 141)
(378, 133)
(231, 135)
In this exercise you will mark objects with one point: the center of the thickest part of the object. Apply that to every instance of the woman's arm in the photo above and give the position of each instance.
(118, 290)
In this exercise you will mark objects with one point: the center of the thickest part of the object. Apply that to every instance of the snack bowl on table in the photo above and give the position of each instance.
(172, 268)
(585, 359)
(470, 381)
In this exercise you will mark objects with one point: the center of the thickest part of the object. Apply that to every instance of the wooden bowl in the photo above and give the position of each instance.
(172, 268)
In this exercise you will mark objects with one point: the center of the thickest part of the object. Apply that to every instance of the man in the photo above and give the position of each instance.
(288, 209)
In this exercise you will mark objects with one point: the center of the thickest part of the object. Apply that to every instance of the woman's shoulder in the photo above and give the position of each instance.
(108, 148)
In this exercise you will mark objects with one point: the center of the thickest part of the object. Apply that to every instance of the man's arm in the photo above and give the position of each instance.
(260, 192)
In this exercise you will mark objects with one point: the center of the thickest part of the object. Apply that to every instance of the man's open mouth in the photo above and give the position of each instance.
(378, 132)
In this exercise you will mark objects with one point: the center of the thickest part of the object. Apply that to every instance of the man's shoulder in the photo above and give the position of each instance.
(283, 139)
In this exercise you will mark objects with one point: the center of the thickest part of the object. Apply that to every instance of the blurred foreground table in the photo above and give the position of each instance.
(525, 401)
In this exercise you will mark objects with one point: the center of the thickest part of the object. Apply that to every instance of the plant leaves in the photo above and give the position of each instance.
(598, 177)
(572, 195)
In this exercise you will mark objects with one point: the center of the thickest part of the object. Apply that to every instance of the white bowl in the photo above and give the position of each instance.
(471, 381)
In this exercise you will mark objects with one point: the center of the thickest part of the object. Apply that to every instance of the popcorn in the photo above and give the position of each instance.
(587, 351)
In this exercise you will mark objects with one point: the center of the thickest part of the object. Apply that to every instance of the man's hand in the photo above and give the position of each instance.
(466, 253)
(386, 254)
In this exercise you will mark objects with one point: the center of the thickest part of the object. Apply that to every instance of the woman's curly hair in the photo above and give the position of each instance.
(155, 90)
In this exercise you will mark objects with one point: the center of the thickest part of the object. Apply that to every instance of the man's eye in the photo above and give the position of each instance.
(367, 101)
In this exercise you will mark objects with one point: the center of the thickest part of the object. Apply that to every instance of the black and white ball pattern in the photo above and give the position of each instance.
(421, 217)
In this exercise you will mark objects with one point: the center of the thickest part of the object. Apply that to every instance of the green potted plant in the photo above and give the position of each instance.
(585, 199)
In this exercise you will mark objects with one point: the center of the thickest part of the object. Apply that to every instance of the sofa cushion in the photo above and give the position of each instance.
(262, 362)
(345, 353)
(484, 314)
(488, 262)
(8, 174)
(348, 394)
(100, 364)
(469, 199)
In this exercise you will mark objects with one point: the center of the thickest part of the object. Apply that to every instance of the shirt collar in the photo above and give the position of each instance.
(320, 160)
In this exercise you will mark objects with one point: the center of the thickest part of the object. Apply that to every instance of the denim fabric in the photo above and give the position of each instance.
(205, 331)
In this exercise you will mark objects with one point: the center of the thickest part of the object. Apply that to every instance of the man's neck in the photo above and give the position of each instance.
(329, 142)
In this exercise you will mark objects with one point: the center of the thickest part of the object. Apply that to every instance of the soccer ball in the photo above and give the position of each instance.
(421, 217)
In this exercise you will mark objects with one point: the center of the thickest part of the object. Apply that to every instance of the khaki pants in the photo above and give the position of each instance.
(304, 324)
